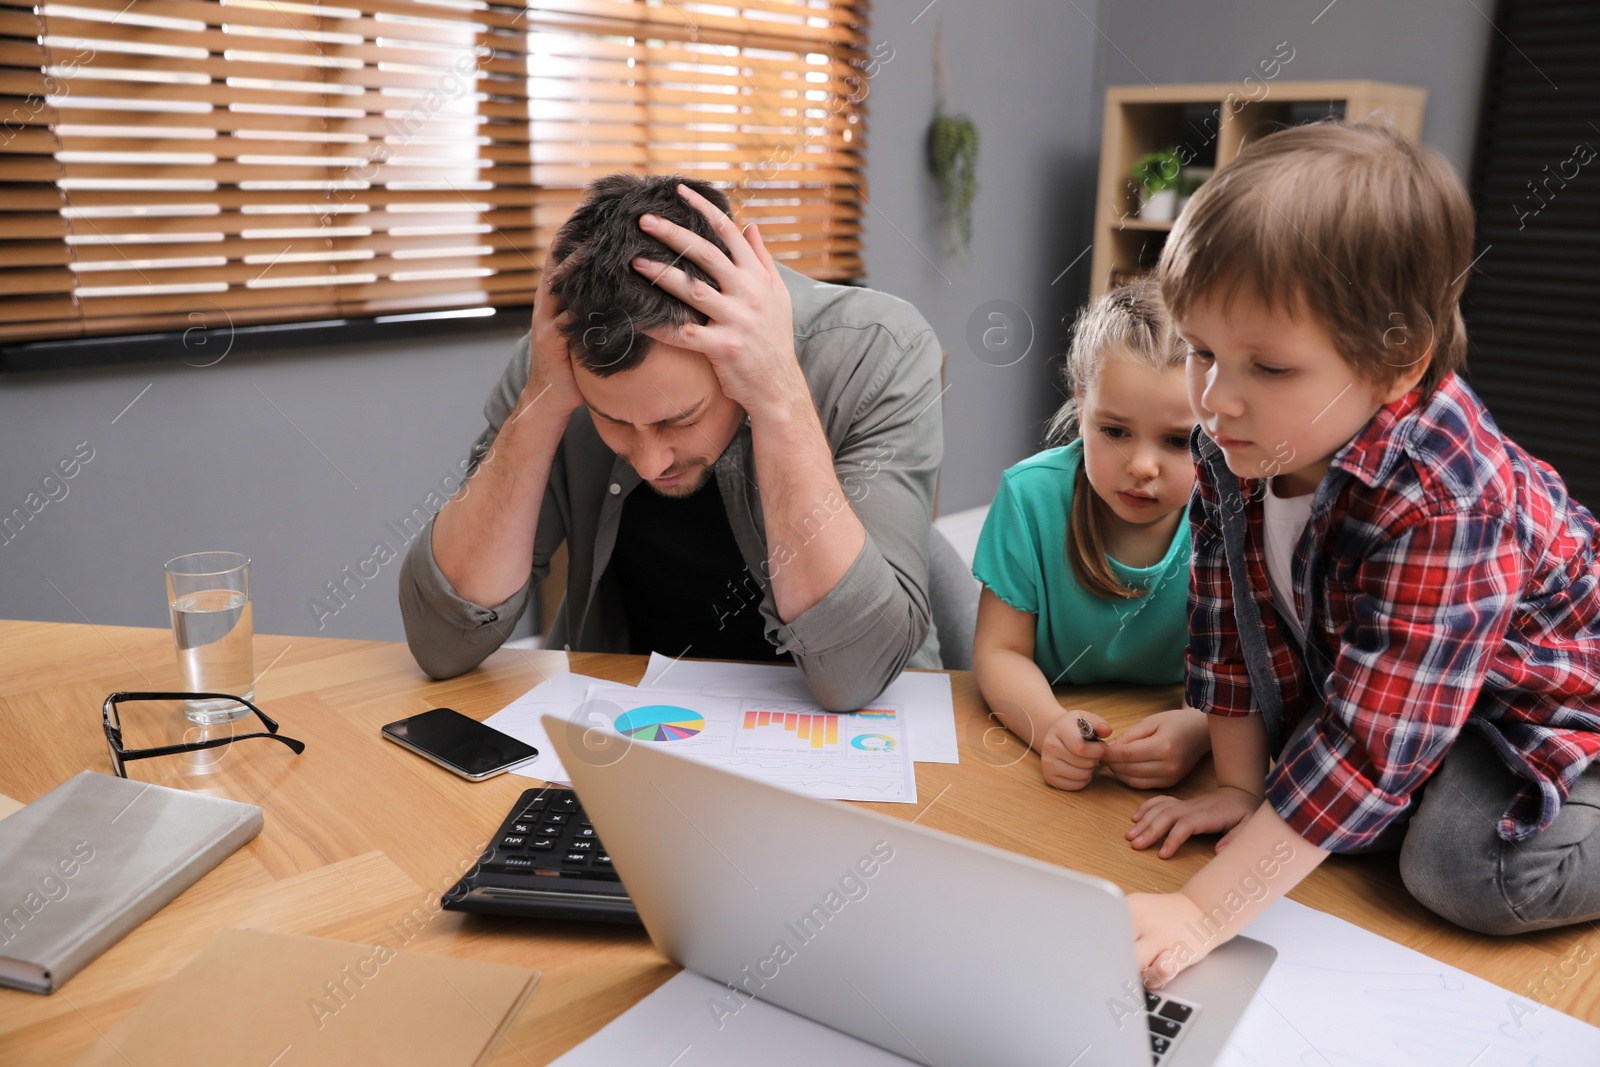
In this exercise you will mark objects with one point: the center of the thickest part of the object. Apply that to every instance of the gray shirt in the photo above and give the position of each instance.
(873, 365)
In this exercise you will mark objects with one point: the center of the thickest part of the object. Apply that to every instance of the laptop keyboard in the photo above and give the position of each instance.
(1167, 1017)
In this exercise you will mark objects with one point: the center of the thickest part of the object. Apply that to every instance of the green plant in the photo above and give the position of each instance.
(1156, 171)
(953, 160)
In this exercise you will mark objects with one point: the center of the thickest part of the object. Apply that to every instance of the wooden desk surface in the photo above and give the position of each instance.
(361, 834)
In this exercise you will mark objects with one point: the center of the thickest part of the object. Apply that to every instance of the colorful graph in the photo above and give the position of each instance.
(660, 722)
(814, 730)
(873, 742)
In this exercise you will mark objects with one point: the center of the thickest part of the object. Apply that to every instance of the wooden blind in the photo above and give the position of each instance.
(173, 162)
(1530, 306)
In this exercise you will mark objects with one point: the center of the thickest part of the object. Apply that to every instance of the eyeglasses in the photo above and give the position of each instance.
(120, 755)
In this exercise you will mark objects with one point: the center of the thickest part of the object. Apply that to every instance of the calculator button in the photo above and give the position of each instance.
(566, 803)
(513, 840)
(1159, 1044)
(522, 827)
(543, 844)
(1178, 1013)
(576, 857)
(1164, 1027)
(555, 818)
(603, 860)
(581, 846)
(549, 831)
(1150, 1001)
(584, 832)
(537, 804)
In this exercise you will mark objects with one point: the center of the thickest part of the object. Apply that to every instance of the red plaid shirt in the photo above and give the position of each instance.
(1447, 580)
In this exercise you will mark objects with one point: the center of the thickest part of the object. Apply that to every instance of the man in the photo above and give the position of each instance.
(740, 460)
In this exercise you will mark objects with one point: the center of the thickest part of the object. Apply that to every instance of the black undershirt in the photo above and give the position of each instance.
(684, 584)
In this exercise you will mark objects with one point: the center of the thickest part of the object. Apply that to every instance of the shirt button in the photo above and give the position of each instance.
(615, 488)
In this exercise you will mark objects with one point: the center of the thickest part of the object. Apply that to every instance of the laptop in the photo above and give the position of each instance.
(936, 948)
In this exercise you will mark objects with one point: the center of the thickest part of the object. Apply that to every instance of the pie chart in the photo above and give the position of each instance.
(660, 722)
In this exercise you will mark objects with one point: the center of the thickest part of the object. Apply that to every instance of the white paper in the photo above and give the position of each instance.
(929, 708)
(1337, 996)
(861, 755)
(561, 695)
(675, 1026)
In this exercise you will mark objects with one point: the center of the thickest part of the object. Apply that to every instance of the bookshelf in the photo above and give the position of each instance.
(1210, 124)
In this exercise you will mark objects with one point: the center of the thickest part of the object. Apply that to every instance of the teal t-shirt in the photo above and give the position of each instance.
(1080, 639)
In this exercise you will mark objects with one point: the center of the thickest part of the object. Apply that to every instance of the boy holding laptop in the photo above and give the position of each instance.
(1394, 610)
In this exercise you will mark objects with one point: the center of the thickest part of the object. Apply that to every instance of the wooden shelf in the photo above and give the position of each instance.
(1213, 122)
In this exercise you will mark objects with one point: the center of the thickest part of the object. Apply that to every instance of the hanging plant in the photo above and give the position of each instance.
(952, 158)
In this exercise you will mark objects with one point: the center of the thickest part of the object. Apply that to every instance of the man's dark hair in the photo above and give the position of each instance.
(611, 303)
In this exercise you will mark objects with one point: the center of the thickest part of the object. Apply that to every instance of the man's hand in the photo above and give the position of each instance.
(1067, 760)
(1216, 812)
(749, 337)
(1159, 750)
(551, 389)
(1163, 943)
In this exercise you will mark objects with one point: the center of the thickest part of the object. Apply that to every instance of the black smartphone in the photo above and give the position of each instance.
(459, 744)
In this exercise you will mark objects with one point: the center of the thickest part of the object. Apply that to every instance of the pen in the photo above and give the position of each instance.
(1086, 731)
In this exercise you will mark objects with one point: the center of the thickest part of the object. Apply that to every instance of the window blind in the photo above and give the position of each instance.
(1530, 304)
(168, 163)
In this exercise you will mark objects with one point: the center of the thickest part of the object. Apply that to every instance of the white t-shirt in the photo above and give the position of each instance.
(1284, 520)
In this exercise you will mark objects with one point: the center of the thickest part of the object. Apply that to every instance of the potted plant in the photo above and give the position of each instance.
(1156, 176)
(1191, 179)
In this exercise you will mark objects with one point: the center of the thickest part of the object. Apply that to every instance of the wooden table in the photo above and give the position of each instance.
(360, 833)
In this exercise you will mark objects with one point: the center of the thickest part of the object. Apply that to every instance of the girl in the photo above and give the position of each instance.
(1084, 557)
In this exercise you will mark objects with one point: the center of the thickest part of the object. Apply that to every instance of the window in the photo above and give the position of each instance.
(168, 163)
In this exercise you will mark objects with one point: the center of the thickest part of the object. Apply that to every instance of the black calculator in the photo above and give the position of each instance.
(545, 862)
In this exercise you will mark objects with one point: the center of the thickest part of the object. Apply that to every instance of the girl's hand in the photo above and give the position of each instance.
(1160, 750)
(1161, 935)
(1067, 760)
(1216, 812)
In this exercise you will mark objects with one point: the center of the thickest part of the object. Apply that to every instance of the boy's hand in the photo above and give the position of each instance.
(1161, 945)
(1067, 760)
(1216, 812)
(1159, 750)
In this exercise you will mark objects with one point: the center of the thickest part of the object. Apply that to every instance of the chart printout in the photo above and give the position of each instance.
(858, 755)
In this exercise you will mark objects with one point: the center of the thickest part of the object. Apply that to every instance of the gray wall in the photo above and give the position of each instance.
(1438, 45)
(301, 460)
(360, 434)
(1024, 71)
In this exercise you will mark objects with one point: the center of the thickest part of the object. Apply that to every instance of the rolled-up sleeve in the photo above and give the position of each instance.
(860, 636)
(447, 633)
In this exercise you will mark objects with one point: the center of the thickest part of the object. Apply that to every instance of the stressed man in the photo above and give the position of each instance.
(740, 460)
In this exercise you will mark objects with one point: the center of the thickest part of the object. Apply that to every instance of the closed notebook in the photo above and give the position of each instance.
(257, 997)
(95, 857)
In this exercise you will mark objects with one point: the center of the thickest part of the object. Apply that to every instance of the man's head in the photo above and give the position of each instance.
(1317, 277)
(658, 406)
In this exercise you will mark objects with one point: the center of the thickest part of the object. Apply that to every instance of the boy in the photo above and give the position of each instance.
(1392, 605)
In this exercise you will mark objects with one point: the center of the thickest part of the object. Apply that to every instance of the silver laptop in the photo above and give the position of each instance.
(939, 949)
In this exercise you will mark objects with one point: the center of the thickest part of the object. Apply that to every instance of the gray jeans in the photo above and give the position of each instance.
(1454, 861)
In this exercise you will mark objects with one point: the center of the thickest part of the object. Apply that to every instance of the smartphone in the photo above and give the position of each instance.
(464, 746)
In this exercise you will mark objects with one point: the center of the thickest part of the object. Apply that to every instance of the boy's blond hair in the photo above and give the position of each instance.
(1130, 322)
(1367, 231)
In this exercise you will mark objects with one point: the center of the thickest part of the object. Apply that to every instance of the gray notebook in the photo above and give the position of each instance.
(95, 857)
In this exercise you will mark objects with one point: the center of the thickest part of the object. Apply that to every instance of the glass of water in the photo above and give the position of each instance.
(209, 596)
